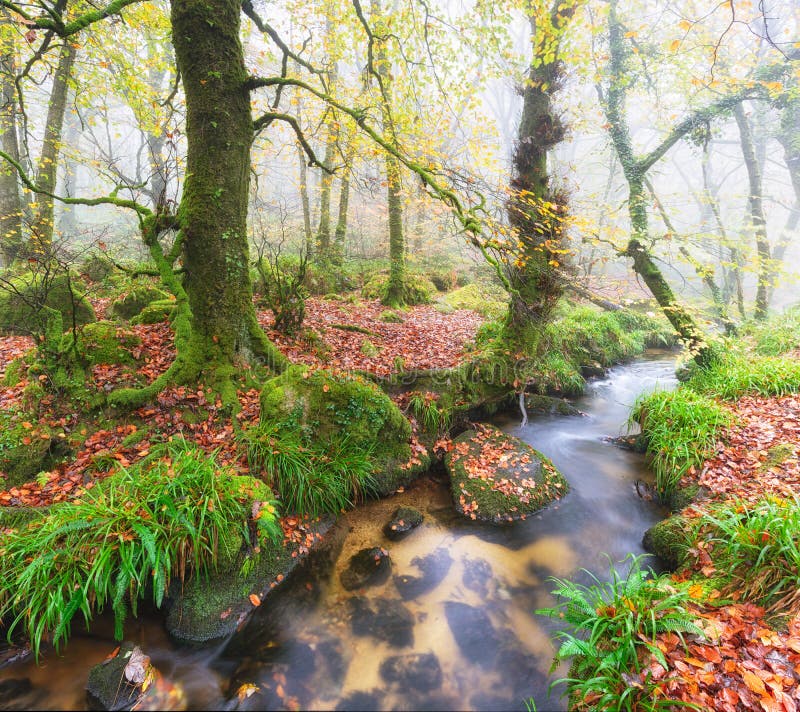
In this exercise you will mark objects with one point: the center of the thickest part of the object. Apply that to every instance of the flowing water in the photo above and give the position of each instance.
(467, 612)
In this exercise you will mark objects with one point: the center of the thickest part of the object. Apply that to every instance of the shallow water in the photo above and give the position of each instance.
(471, 608)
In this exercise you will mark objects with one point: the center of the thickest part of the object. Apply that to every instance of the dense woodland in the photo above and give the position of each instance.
(263, 263)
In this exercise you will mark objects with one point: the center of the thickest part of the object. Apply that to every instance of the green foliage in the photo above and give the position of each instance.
(311, 477)
(777, 336)
(176, 512)
(430, 412)
(681, 428)
(417, 289)
(612, 628)
(735, 373)
(97, 267)
(756, 549)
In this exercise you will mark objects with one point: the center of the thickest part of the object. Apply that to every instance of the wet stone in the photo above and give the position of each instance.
(360, 701)
(473, 631)
(116, 683)
(434, 568)
(384, 619)
(417, 671)
(19, 694)
(368, 567)
(477, 575)
(403, 521)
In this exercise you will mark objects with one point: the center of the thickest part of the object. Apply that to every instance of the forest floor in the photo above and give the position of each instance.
(748, 659)
(333, 336)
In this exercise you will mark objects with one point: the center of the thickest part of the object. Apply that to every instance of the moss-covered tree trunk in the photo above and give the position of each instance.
(47, 170)
(756, 209)
(323, 247)
(340, 236)
(213, 210)
(304, 201)
(11, 240)
(536, 210)
(635, 169)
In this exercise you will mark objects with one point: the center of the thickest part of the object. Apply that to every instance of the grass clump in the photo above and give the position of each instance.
(756, 549)
(430, 413)
(681, 429)
(736, 372)
(612, 633)
(176, 513)
(311, 476)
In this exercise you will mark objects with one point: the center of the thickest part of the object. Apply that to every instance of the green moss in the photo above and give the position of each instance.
(499, 478)
(326, 407)
(97, 268)
(417, 289)
(130, 304)
(24, 304)
(485, 298)
(104, 342)
(390, 316)
(155, 312)
(669, 541)
(778, 454)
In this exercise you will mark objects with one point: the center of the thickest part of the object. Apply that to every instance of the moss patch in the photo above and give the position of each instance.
(499, 478)
(23, 305)
(132, 303)
(325, 406)
(417, 289)
(104, 342)
(668, 540)
(487, 299)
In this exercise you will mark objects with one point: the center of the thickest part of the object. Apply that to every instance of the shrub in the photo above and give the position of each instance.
(681, 429)
(612, 628)
(175, 513)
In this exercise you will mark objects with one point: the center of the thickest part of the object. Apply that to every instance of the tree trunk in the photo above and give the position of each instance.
(756, 209)
(309, 235)
(323, 251)
(535, 210)
(213, 211)
(42, 226)
(11, 240)
(340, 236)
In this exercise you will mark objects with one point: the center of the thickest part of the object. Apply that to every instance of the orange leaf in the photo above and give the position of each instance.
(754, 682)
(255, 599)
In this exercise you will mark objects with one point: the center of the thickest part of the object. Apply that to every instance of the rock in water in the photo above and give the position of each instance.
(417, 671)
(384, 619)
(473, 631)
(434, 568)
(499, 478)
(368, 567)
(404, 520)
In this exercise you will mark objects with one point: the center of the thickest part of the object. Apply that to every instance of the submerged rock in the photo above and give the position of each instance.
(499, 478)
(404, 520)
(418, 671)
(434, 568)
(473, 630)
(20, 694)
(384, 619)
(368, 567)
(477, 575)
(361, 701)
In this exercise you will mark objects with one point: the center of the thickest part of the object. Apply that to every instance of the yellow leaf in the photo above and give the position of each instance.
(673, 46)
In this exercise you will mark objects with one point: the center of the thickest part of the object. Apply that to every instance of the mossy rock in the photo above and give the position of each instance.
(536, 403)
(488, 300)
(418, 289)
(23, 302)
(23, 462)
(669, 541)
(97, 268)
(130, 304)
(327, 406)
(155, 312)
(105, 342)
(202, 611)
(499, 478)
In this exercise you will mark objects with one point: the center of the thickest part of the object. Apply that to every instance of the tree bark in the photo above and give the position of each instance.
(323, 251)
(11, 240)
(42, 226)
(756, 209)
(306, 205)
(340, 236)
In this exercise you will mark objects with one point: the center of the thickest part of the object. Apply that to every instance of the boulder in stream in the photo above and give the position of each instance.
(384, 619)
(473, 630)
(404, 520)
(367, 567)
(417, 671)
(499, 478)
(434, 568)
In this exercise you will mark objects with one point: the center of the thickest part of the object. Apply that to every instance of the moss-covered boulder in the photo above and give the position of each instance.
(26, 449)
(97, 268)
(201, 611)
(26, 300)
(499, 478)
(130, 304)
(669, 541)
(325, 406)
(155, 312)
(418, 289)
(105, 342)
(487, 299)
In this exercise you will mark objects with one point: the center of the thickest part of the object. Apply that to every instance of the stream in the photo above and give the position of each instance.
(460, 634)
